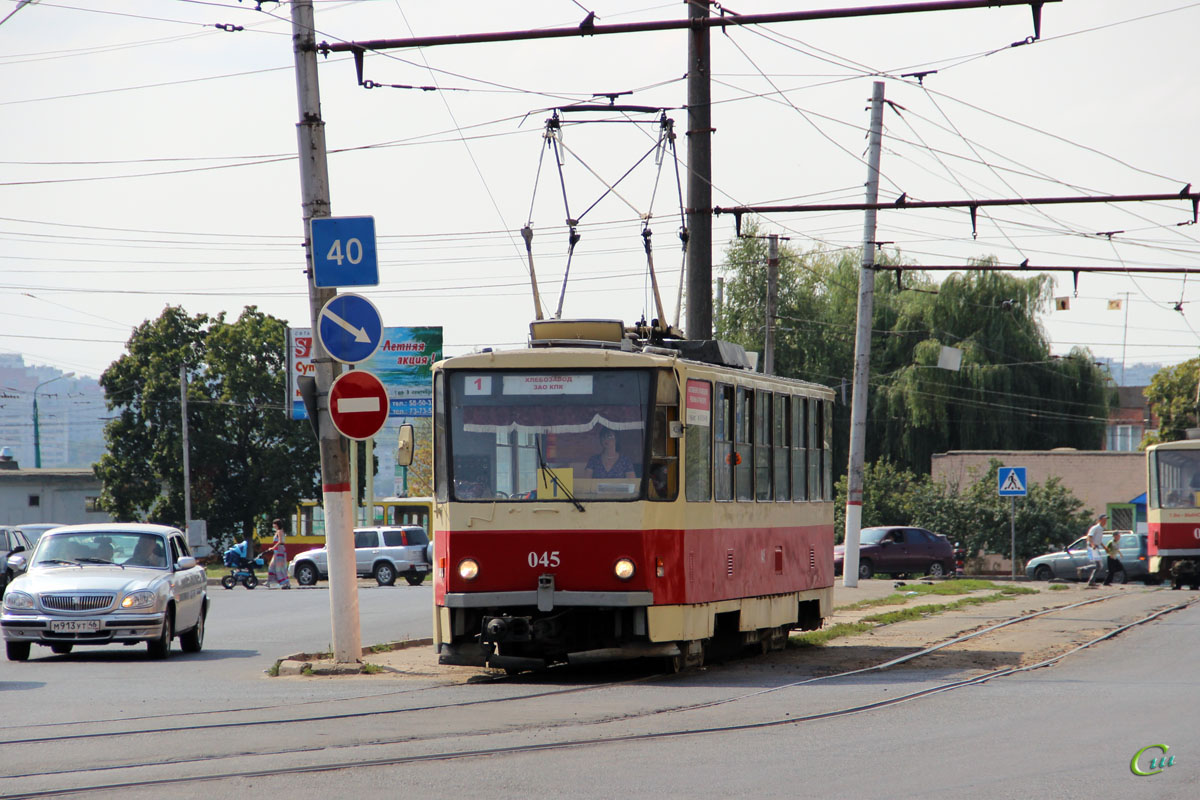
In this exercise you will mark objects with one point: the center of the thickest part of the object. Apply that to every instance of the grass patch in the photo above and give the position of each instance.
(306, 669)
(824, 635)
(952, 587)
(380, 648)
(371, 669)
(273, 670)
(820, 637)
(1058, 587)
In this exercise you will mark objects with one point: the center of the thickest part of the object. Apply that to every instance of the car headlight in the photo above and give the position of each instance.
(140, 599)
(624, 569)
(468, 569)
(18, 601)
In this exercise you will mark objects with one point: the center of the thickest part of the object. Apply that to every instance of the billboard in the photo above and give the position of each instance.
(403, 362)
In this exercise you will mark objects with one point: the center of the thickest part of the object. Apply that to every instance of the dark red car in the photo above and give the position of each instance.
(900, 551)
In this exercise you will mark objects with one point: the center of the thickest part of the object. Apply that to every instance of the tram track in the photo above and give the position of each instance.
(566, 743)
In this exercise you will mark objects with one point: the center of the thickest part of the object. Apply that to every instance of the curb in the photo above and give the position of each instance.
(316, 664)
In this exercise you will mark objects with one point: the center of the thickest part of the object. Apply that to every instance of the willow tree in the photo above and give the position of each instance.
(1009, 393)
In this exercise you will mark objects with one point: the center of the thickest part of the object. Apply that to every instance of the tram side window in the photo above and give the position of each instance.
(442, 487)
(743, 457)
(698, 442)
(762, 446)
(827, 449)
(664, 457)
(723, 436)
(799, 448)
(781, 455)
(814, 449)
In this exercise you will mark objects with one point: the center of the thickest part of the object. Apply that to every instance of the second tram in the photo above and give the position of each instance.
(1173, 512)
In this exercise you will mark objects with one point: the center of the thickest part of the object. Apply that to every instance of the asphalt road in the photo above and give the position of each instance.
(755, 728)
(247, 632)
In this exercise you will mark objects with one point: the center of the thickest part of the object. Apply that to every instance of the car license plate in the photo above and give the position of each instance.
(74, 625)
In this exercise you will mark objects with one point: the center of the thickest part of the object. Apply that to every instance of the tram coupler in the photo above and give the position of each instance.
(499, 630)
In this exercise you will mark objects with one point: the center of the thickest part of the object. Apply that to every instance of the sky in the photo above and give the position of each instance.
(148, 158)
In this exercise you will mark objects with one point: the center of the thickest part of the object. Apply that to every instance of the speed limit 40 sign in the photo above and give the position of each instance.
(343, 251)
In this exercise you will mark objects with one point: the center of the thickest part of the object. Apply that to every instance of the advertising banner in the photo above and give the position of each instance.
(403, 362)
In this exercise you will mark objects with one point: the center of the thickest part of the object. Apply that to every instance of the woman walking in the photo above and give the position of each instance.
(278, 571)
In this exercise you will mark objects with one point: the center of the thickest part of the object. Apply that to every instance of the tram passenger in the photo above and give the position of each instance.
(658, 482)
(609, 463)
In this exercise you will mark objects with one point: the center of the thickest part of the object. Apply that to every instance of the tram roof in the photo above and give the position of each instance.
(585, 357)
(1179, 444)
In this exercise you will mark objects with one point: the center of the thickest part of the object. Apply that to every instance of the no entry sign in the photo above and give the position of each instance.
(358, 404)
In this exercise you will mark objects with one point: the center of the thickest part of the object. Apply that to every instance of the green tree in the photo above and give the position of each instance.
(248, 461)
(1175, 397)
(1010, 392)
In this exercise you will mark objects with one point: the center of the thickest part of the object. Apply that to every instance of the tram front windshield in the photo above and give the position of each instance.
(538, 436)
(1177, 477)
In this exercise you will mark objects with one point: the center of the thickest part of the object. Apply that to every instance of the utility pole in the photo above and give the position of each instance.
(187, 471)
(335, 458)
(699, 165)
(862, 348)
(772, 300)
(1124, 337)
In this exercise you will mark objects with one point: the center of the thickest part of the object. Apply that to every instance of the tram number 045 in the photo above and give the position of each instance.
(547, 559)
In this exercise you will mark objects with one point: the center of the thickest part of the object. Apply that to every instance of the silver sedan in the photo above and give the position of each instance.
(105, 583)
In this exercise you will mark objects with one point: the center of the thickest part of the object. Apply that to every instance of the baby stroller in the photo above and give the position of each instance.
(241, 569)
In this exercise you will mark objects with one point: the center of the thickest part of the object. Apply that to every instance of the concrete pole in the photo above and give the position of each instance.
(772, 301)
(862, 349)
(187, 470)
(335, 459)
(699, 178)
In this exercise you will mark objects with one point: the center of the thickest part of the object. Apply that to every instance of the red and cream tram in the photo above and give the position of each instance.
(1173, 512)
(598, 497)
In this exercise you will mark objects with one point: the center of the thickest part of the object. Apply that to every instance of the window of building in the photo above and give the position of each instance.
(35, 500)
(1122, 438)
(91, 505)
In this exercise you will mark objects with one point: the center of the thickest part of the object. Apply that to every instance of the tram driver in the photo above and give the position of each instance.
(609, 463)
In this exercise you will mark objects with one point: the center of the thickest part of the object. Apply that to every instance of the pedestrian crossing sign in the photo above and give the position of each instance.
(1012, 482)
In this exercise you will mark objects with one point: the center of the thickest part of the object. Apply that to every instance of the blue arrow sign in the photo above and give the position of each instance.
(1012, 482)
(350, 328)
(343, 251)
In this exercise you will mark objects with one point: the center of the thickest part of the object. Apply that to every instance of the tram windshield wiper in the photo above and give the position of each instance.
(537, 442)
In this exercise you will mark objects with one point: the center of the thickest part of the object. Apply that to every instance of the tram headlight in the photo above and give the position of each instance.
(468, 568)
(624, 569)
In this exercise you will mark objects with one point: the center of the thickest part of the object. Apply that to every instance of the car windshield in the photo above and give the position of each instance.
(535, 436)
(872, 535)
(102, 547)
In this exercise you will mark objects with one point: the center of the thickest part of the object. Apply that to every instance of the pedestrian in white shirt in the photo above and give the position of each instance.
(1095, 548)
